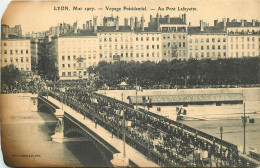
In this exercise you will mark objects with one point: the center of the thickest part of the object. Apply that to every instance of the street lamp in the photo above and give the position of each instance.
(221, 131)
(124, 132)
(137, 89)
(244, 120)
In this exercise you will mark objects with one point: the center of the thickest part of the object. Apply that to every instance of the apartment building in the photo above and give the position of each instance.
(206, 41)
(74, 53)
(130, 42)
(173, 32)
(17, 52)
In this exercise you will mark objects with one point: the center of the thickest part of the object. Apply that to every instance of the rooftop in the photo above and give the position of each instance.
(175, 20)
(81, 33)
(207, 30)
(239, 24)
(113, 29)
(124, 29)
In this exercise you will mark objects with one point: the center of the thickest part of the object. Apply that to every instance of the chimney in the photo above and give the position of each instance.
(132, 23)
(142, 23)
(160, 15)
(126, 21)
(224, 24)
(95, 23)
(75, 27)
(201, 25)
(151, 17)
(242, 22)
(90, 24)
(216, 22)
(157, 22)
(84, 27)
(253, 22)
(189, 23)
(87, 25)
(184, 18)
(136, 22)
(6, 35)
(117, 23)
(168, 18)
(227, 20)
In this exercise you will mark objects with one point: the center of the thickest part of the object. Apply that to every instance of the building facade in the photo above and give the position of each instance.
(206, 42)
(130, 42)
(165, 38)
(243, 39)
(16, 52)
(74, 53)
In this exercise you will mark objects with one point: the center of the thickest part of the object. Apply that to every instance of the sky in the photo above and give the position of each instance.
(39, 16)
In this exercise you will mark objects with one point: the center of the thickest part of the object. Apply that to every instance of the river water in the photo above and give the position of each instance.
(26, 141)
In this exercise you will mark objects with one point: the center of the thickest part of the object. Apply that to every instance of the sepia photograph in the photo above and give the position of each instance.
(147, 83)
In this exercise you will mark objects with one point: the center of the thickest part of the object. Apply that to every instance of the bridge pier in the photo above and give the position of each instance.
(34, 102)
(59, 130)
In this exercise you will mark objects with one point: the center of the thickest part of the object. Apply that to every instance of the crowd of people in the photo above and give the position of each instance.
(162, 141)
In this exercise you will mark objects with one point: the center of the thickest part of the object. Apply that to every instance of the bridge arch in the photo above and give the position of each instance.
(43, 106)
(74, 131)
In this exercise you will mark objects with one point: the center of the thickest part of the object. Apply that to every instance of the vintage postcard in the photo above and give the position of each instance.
(142, 83)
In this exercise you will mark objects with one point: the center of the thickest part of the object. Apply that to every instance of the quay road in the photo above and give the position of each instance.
(166, 142)
(135, 156)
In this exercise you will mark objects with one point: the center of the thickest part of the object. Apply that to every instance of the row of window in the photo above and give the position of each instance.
(208, 40)
(16, 52)
(131, 55)
(147, 38)
(79, 50)
(243, 46)
(17, 60)
(24, 68)
(131, 47)
(122, 39)
(238, 54)
(208, 47)
(208, 54)
(243, 39)
(63, 58)
(74, 73)
(16, 44)
(74, 65)
(174, 44)
(168, 36)
(174, 53)
(78, 41)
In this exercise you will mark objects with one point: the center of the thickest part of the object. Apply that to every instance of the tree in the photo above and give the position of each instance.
(10, 76)
(46, 62)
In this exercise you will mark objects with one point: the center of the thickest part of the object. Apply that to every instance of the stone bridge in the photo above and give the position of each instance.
(70, 123)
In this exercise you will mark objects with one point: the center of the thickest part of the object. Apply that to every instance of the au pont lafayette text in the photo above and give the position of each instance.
(124, 8)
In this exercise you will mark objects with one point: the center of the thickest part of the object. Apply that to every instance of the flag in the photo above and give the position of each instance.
(139, 88)
(128, 124)
(93, 100)
(62, 89)
(119, 112)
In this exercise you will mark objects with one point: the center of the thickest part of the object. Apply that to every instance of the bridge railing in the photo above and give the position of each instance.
(177, 124)
(142, 147)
